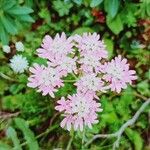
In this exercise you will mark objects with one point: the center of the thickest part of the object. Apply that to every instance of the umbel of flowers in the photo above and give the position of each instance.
(86, 58)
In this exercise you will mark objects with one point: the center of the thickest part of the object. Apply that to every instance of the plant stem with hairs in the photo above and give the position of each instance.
(119, 133)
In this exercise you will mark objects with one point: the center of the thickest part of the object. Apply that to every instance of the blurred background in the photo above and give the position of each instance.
(28, 120)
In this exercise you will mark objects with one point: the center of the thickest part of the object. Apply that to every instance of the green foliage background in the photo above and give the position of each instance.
(28, 120)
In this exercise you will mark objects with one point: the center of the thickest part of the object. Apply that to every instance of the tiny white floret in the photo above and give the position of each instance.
(6, 49)
(19, 46)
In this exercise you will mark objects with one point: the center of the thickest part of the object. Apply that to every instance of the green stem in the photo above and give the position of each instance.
(7, 77)
(83, 139)
(71, 139)
(69, 81)
(69, 143)
(74, 76)
(140, 96)
(47, 131)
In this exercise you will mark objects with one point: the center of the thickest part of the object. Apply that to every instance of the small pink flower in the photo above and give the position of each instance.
(90, 82)
(65, 65)
(90, 63)
(91, 42)
(55, 48)
(79, 110)
(118, 74)
(45, 79)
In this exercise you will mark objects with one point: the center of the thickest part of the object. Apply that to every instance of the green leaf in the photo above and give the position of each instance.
(16, 88)
(8, 4)
(82, 30)
(9, 25)
(44, 13)
(143, 87)
(26, 18)
(123, 104)
(3, 86)
(2, 56)
(109, 117)
(79, 2)
(28, 134)
(111, 7)
(4, 146)
(29, 3)
(63, 8)
(11, 133)
(40, 61)
(17, 10)
(95, 3)
(109, 46)
(3, 35)
(107, 105)
(148, 10)
(65, 90)
(127, 96)
(115, 25)
(144, 11)
(135, 138)
(23, 78)
(128, 14)
(12, 102)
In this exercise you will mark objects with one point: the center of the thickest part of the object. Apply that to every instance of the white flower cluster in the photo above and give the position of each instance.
(18, 63)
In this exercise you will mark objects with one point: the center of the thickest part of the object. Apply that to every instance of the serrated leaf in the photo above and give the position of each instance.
(11, 133)
(128, 14)
(95, 3)
(28, 134)
(115, 25)
(9, 25)
(44, 13)
(17, 10)
(63, 8)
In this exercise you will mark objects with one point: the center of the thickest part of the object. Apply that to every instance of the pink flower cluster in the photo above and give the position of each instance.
(86, 58)
(45, 78)
(79, 110)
